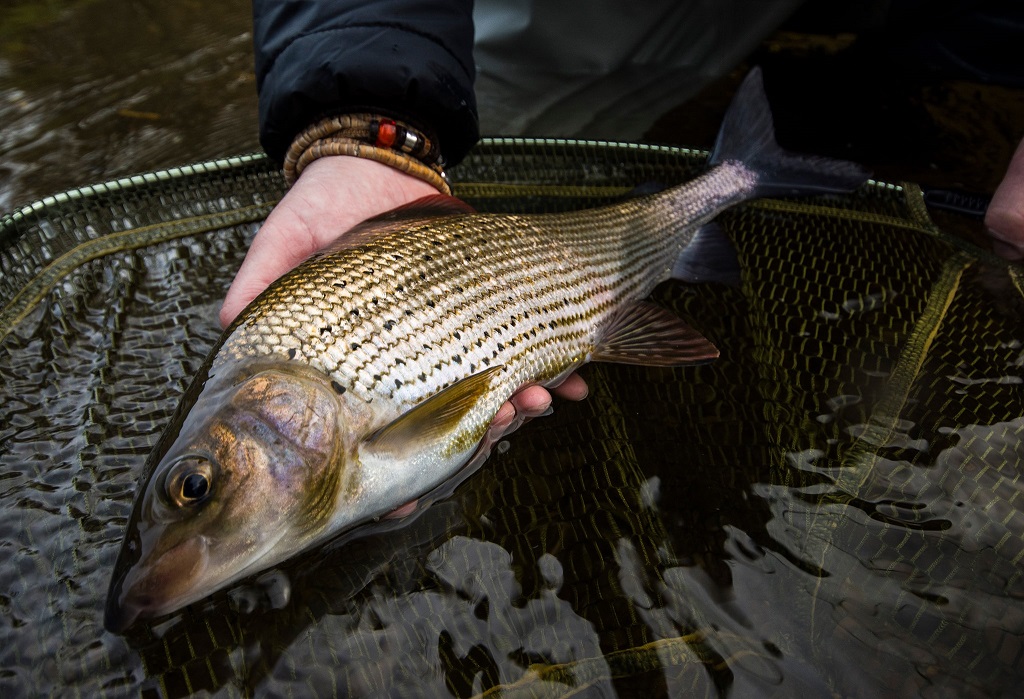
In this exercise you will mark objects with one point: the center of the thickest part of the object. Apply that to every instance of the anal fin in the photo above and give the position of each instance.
(648, 335)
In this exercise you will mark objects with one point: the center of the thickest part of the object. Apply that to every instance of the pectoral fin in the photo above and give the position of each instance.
(433, 420)
(647, 335)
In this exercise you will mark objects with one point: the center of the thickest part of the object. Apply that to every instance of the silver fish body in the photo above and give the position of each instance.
(370, 374)
(425, 305)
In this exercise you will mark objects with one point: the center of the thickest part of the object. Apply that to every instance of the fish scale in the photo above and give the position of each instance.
(371, 374)
(540, 288)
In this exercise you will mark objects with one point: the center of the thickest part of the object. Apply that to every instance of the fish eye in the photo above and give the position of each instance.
(194, 486)
(189, 480)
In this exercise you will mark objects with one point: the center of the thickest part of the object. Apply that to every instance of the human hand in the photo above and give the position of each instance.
(1005, 215)
(333, 195)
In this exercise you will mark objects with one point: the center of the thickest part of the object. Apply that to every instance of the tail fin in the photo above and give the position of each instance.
(748, 135)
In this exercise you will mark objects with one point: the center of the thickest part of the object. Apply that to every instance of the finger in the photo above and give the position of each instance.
(244, 289)
(573, 388)
(282, 242)
(532, 401)
(332, 195)
(535, 401)
(403, 511)
(1005, 216)
(506, 414)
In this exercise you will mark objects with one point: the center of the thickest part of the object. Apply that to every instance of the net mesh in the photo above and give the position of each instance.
(833, 506)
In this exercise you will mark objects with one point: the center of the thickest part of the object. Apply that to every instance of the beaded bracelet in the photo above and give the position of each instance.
(373, 137)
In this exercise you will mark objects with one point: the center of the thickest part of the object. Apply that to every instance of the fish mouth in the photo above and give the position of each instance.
(152, 589)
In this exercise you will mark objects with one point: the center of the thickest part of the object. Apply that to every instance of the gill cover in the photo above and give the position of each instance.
(250, 475)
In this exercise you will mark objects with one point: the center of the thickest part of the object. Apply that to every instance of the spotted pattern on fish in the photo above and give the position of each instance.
(385, 358)
(426, 304)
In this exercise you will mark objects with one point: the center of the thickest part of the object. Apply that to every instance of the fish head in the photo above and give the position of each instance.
(249, 478)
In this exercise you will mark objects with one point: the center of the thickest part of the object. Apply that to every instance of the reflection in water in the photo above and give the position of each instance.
(466, 611)
(920, 566)
(818, 512)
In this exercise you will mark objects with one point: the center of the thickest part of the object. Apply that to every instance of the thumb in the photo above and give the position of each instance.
(1005, 216)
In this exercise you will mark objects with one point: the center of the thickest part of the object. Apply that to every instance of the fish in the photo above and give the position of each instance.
(369, 375)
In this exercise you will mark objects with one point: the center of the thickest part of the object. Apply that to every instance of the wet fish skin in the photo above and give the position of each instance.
(369, 375)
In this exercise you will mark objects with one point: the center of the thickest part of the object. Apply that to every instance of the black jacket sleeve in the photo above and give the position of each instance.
(409, 58)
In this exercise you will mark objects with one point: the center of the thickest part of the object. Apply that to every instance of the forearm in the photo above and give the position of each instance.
(410, 58)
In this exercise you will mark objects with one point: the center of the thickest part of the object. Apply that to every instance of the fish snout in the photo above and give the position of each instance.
(151, 588)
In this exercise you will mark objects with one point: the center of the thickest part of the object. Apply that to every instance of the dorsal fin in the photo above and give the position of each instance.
(421, 210)
(430, 206)
(645, 334)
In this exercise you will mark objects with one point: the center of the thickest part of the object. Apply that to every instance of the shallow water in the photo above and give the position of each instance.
(90, 89)
(831, 507)
(100, 367)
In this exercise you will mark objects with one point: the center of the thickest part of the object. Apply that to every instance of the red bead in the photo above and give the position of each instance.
(387, 131)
